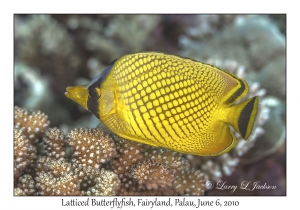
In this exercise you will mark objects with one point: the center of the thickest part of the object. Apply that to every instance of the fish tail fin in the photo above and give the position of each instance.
(242, 116)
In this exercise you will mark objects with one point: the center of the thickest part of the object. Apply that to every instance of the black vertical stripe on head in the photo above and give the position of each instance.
(97, 82)
(245, 117)
(92, 102)
(92, 105)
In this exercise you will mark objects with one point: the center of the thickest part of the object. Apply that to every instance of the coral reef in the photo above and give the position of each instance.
(91, 147)
(100, 164)
(151, 175)
(55, 144)
(24, 152)
(50, 173)
(146, 170)
(26, 185)
(58, 177)
(189, 182)
(97, 182)
(55, 177)
(56, 51)
(32, 125)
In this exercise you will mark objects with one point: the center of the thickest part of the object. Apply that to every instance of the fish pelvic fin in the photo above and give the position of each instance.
(242, 116)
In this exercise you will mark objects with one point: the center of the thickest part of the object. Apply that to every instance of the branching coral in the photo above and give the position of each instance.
(165, 156)
(151, 175)
(26, 185)
(97, 182)
(24, 153)
(205, 26)
(55, 144)
(55, 177)
(33, 125)
(91, 147)
(52, 174)
(19, 192)
(58, 177)
(189, 182)
(145, 170)
(128, 153)
(101, 164)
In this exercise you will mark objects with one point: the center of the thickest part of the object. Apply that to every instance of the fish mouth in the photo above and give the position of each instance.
(68, 92)
(79, 94)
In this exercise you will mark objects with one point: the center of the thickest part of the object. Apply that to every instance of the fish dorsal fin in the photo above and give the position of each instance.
(234, 87)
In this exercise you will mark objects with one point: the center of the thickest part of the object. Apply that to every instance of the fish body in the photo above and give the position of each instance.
(168, 101)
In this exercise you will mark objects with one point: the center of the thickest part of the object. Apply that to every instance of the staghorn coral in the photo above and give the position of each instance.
(55, 144)
(33, 125)
(128, 153)
(92, 147)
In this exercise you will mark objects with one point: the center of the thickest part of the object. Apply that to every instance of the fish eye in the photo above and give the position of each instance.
(94, 93)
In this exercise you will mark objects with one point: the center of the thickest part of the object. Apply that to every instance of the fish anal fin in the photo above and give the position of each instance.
(223, 140)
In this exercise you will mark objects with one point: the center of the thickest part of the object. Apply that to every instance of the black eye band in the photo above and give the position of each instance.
(93, 94)
(92, 102)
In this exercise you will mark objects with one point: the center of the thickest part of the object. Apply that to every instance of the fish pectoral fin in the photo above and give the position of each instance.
(223, 140)
(112, 121)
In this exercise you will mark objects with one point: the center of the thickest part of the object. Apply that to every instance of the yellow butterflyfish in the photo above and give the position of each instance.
(168, 101)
